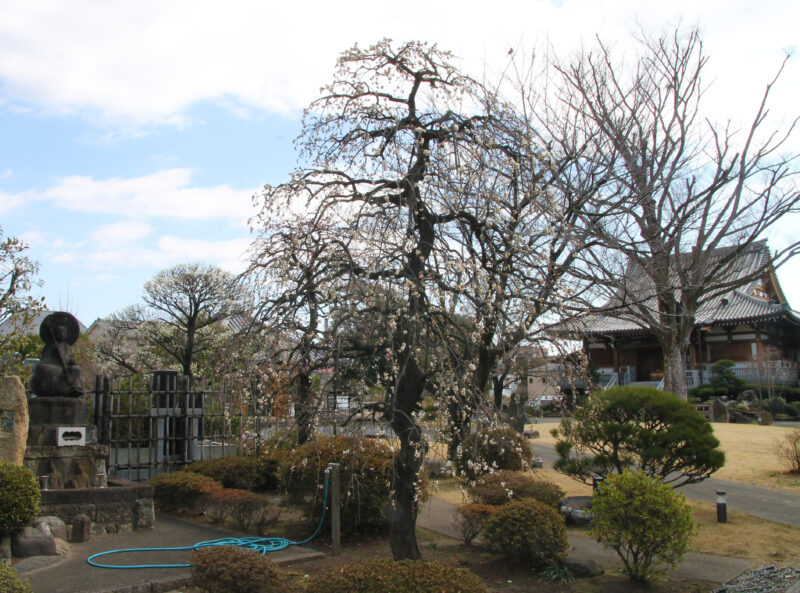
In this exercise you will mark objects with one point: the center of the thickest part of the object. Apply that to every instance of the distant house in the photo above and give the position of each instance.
(31, 328)
(751, 325)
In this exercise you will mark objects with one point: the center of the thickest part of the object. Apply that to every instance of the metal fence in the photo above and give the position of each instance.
(164, 422)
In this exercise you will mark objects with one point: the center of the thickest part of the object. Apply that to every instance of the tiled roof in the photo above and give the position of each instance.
(730, 308)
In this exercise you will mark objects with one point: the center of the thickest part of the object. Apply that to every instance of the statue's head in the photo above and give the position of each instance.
(60, 333)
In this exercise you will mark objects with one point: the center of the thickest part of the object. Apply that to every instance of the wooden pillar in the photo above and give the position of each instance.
(615, 354)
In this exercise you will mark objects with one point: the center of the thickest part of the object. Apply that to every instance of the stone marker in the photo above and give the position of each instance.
(81, 529)
(13, 420)
(29, 541)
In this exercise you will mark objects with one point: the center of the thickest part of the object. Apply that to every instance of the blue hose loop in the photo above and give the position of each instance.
(263, 545)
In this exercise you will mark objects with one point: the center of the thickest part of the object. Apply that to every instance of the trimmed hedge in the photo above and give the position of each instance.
(365, 473)
(240, 472)
(384, 575)
(505, 486)
(182, 490)
(20, 497)
(230, 569)
(527, 531)
(470, 519)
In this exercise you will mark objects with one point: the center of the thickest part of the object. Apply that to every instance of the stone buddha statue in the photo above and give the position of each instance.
(57, 374)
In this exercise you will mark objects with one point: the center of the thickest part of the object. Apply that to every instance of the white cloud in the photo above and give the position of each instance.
(164, 194)
(149, 61)
(170, 250)
(120, 232)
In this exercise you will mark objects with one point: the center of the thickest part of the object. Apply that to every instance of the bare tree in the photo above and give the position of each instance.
(683, 197)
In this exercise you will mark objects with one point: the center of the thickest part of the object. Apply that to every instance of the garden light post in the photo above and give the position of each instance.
(722, 507)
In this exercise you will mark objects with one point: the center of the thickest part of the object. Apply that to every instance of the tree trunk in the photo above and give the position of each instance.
(675, 370)
(407, 461)
(304, 408)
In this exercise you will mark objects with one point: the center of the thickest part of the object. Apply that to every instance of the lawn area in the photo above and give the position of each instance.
(743, 536)
(750, 454)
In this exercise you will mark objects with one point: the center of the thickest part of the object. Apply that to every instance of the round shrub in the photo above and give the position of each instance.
(10, 581)
(365, 473)
(527, 531)
(246, 508)
(504, 486)
(182, 490)
(231, 569)
(470, 519)
(242, 473)
(492, 450)
(19, 497)
(387, 576)
(641, 520)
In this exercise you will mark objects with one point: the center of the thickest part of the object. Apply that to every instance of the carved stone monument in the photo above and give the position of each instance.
(57, 374)
(13, 420)
(62, 445)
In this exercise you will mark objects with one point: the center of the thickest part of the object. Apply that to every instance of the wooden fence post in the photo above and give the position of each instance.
(335, 490)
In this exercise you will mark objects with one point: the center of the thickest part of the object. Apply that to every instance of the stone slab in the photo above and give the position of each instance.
(13, 419)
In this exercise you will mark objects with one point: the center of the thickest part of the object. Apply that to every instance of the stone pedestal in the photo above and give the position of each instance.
(13, 420)
(56, 423)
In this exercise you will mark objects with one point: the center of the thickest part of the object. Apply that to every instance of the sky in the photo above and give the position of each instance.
(134, 135)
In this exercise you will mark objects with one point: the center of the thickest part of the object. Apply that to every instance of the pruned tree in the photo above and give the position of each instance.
(179, 322)
(17, 277)
(678, 186)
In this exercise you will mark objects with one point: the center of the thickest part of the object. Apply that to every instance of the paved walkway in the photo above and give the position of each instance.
(71, 574)
(437, 516)
(773, 505)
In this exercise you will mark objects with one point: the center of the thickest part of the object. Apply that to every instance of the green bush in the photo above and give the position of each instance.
(496, 449)
(635, 427)
(365, 474)
(384, 575)
(470, 519)
(230, 569)
(246, 508)
(10, 581)
(641, 520)
(182, 490)
(504, 486)
(19, 497)
(527, 531)
(242, 473)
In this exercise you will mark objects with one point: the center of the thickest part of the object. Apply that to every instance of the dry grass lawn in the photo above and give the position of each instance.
(750, 454)
(743, 536)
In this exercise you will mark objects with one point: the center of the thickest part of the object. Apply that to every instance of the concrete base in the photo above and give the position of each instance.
(74, 575)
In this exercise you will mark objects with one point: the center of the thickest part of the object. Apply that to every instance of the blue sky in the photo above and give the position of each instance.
(133, 134)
